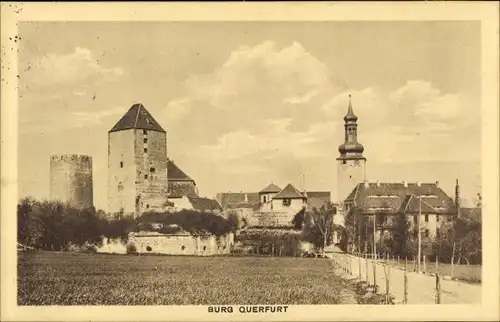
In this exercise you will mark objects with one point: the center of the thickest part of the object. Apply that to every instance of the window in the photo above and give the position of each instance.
(145, 150)
(344, 161)
(427, 233)
(183, 247)
(152, 170)
(145, 140)
(147, 206)
(145, 176)
(145, 132)
(426, 218)
(121, 164)
(438, 233)
(415, 219)
(204, 247)
(287, 202)
(437, 218)
(148, 248)
(264, 198)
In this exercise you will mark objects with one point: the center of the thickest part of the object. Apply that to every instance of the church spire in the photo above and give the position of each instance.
(351, 149)
(350, 113)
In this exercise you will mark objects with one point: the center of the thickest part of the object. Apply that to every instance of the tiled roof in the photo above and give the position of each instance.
(175, 173)
(271, 188)
(395, 197)
(289, 192)
(317, 199)
(237, 199)
(137, 117)
(204, 204)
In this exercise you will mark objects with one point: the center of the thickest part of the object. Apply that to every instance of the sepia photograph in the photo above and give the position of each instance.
(249, 167)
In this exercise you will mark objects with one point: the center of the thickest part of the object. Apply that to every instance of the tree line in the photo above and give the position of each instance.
(53, 225)
(457, 240)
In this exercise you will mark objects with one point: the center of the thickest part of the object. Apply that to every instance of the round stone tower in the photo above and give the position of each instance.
(71, 180)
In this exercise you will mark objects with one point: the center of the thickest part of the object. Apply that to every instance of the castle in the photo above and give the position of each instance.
(141, 177)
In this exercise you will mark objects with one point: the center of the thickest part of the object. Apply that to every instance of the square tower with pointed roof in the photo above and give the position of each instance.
(137, 164)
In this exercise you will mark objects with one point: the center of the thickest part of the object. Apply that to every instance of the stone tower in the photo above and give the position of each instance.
(351, 164)
(137, 164)
(71, 180)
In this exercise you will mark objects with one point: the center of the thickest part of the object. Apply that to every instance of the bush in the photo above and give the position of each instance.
(131, 249)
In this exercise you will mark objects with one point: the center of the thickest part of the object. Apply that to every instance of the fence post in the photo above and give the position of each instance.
(405, 299)
(374, 277)
(387, 273)
(438, 283)
(367, 279)
(359, 268)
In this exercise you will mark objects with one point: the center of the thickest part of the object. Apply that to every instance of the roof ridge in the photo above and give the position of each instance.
(137, 115)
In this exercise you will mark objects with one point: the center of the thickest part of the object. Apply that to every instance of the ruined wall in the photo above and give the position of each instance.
(121, 172)
(151, 170)
(71, 180)
(180, 244)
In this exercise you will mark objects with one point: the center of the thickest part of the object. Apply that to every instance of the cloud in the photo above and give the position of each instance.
(275, 108)
(66, 69)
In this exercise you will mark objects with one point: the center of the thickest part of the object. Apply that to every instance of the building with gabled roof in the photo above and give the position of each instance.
(179, 183)
(385, 201)
(137, 163)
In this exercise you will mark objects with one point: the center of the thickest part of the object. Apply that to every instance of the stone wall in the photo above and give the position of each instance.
(181, 244)
(71, 180)
(137, 171)
(151, 170)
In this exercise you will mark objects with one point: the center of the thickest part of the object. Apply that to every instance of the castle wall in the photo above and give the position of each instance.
(137, 171)
(151, 170)
(121, 172)
(181, 244)
(71, 180)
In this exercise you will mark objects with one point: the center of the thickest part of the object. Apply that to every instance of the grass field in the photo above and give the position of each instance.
(48, 278)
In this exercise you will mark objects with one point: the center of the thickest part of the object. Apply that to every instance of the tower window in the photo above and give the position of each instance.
(145, 132)
(145, 140)
(145, 150)
(121, 164)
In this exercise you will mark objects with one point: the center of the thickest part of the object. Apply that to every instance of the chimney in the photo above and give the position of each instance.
(457, 198)
(418, 183)
(367, 185)
(246, 197)
(378, 184)
(437, 184)
(405, 183)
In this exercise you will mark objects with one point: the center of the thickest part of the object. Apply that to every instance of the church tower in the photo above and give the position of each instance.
(137, 164)
(351, 164)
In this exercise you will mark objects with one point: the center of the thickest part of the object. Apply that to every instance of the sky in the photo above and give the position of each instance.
(249, 103)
